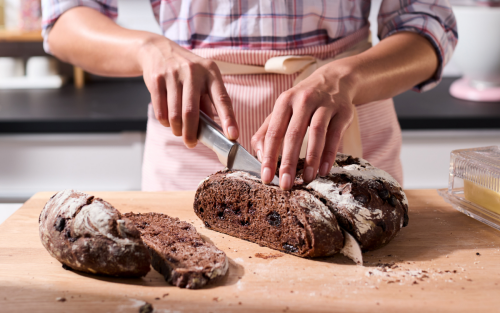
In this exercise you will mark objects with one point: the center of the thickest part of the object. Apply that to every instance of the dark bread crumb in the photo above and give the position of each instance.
(146, 308)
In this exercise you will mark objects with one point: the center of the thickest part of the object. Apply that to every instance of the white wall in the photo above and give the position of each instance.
(426, 154)
(137, 14)
(49, 162)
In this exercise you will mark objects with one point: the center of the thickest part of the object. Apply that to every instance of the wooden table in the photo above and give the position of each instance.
(443, 261)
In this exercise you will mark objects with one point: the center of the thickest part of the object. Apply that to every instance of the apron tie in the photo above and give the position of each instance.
(305, 65)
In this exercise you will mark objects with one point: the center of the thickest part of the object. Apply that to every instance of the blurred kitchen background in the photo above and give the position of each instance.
(62, 128)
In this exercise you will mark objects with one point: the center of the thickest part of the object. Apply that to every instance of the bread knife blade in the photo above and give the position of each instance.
(351, 248)
(230, 153)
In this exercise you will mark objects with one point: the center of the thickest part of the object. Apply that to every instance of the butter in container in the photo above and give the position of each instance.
(474, 184)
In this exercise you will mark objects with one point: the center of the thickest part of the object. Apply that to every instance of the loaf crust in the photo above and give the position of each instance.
(295, 222)
(178, 252)
(367, 202)
(88, 234)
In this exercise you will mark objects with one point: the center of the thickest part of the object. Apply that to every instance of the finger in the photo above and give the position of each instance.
(316, 142)
(190, 111)
(220, 98)
(259, 137)
(159, 99)
(336, 129)
(207, 106)
(174, 97)
(274, 137)
(291, 147)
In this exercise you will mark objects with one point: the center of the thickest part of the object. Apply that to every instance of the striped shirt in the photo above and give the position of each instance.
(283, 24)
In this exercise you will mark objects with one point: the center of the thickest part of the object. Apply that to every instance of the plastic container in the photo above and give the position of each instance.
(474, 184)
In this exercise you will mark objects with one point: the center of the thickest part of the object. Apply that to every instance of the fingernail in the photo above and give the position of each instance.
(324, 169)
(232, 132)
(266, 175)
(308, 174)
(286, 181)
(259, 155)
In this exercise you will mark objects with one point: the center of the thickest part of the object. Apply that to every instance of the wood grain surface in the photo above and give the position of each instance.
(443, 261)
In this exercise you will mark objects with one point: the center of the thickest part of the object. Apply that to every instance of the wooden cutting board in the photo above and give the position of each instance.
(443, 261)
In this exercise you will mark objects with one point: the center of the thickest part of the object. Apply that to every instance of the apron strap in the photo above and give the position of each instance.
(305, 65)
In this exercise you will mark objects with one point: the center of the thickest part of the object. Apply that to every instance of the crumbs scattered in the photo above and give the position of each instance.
(164, 295)
(61, 299)
(217, 299)
(477, 253)
(392, 274)
(269, 256)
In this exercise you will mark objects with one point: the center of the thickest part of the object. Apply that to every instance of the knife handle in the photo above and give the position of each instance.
(210, 134)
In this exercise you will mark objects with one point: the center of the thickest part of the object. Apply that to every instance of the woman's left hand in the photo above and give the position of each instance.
(323, 102)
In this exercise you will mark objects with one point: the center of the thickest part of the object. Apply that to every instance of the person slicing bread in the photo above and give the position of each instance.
(316, 70)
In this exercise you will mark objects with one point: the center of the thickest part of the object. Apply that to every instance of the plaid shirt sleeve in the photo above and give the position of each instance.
(53, 9)
(432, 19)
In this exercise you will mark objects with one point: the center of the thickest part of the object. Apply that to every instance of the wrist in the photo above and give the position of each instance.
(343, 76)
(151, 44)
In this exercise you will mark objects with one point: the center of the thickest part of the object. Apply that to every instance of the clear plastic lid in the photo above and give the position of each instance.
(474, 184)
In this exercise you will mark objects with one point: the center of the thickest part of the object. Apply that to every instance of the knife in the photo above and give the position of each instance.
(230, 153)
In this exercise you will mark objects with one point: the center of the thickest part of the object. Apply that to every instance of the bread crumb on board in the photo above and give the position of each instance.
(146, 308)
(268, 256)
(392, 273)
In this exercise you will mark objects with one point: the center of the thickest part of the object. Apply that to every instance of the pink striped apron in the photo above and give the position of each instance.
(169, 165)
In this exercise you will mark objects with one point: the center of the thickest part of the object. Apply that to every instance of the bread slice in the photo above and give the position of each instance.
(295, 222)
(178, 252)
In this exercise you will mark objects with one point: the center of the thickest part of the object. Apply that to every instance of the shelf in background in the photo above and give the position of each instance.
(20, 36)
(104, 106)
(436, 109)
(116, 105)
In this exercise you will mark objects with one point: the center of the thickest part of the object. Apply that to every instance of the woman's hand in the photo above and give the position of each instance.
(323, 102)
(181, 83)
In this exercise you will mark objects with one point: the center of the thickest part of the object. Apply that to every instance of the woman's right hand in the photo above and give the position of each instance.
(181, 83)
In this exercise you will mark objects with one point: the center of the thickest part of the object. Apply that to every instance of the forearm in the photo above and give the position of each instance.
(86, 38)
(393, 66)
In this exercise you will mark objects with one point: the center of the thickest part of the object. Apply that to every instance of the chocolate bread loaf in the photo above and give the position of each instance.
(363, 200)
(89, 235)
(296, 222)
(178, 252)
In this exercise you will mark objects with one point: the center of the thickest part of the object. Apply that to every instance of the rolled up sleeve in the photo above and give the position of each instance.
(432, 19)
(53, 9)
